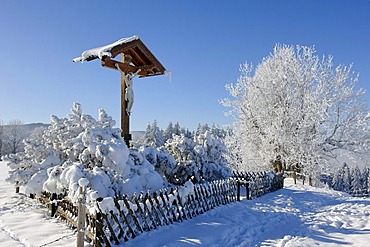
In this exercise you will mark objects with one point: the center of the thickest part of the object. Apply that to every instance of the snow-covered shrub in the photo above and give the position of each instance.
(210, 156)
(36, 158)
(80, 146)
(199, 159)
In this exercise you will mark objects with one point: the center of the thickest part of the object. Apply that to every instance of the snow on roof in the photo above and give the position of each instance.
(104, 50)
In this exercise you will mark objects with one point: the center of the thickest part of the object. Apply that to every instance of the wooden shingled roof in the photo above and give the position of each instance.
(141, 58)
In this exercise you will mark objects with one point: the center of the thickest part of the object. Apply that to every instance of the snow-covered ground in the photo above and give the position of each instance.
(294, 216)
(24, 223)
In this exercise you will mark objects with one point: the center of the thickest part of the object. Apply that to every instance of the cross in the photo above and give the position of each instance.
(136, 60)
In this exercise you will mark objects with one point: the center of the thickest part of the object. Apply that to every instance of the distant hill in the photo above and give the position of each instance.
(28, 129)
(32, 126)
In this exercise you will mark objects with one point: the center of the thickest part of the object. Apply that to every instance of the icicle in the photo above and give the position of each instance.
(168, 74)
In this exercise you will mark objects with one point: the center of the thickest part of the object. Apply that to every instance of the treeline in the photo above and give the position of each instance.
(14, 132)
(157, 137)
(351, 180)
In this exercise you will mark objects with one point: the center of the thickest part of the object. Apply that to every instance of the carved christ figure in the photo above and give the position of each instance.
(129, 92)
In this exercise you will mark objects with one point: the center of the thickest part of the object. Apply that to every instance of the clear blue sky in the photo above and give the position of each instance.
(202, 43)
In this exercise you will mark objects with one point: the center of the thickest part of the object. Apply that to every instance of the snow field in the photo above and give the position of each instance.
(25, 223)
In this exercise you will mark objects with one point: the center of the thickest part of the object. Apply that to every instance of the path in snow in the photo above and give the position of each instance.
(294, 216)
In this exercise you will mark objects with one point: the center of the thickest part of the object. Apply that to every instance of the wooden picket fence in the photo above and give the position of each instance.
(141, 213)
(119, 219)
(258, 183)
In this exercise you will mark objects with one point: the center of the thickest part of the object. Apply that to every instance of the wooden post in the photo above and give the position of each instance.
(247, 190)
(54, 204)
(238, 191)
(125, 118)
(81, 217)
(16, 188)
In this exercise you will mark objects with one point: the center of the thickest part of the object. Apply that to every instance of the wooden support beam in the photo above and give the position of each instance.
(109, 63)
(125, 118)
(145, 70)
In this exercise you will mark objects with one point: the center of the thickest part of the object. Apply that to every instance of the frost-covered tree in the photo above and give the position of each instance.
(169, 131)
(365, 180)
(338, 182)
(347, 178)
(180, 147)
(14, 135)
(201, 158)
(177, 129)
(233, 153)
(153, 135)
(210, 156)
(297, 109)
(202, 128)
(356, 182)
(36, 158)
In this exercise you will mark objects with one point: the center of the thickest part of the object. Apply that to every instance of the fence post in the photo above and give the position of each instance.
(238, 191)
(247, 190)
(81, 212)
(97, 238)
(54, 204)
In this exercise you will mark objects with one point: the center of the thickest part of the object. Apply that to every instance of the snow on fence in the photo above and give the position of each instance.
(257, 183)
(125, 218)
(119, 219)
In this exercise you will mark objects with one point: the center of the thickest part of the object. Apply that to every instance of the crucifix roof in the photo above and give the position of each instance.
(140, 57)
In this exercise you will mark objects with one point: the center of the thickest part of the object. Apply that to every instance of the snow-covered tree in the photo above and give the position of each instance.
(338, 180)
(356, 182)
(201, 158)
(365, 179)
(153, 135)
(210, 156)
(347, 179)
(36, 158)
(169, 131)
(177, 129)
(202, 128)
(296, 108)
(233, 153)
(180, 147)
(14, 136)
(80, 146)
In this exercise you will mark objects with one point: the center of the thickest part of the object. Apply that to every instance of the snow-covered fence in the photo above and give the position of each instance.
(122, 218)
(63, 206)
(295, 175)
(125, 218)
(257, 183)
